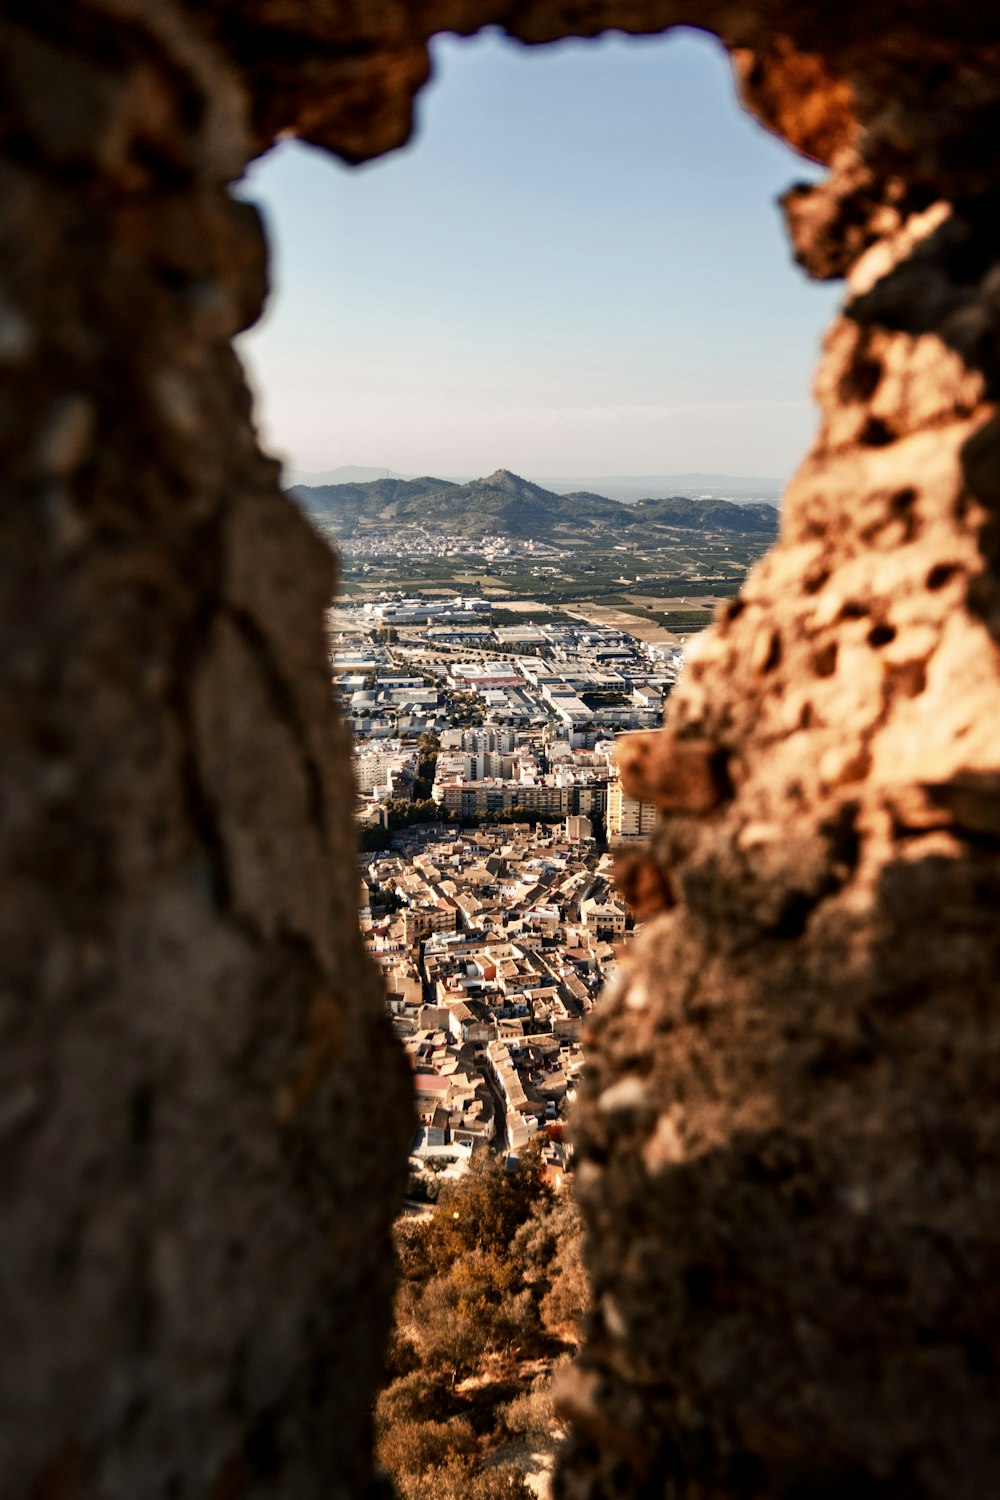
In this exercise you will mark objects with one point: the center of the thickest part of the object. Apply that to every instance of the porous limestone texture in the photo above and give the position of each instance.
(789, 1141)
(789, 1159)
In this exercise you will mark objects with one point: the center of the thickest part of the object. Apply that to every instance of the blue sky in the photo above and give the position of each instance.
(577, 267)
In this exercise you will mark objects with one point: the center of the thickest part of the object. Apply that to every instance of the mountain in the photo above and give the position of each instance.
(505, 504)
(625, 487)
(706, 514)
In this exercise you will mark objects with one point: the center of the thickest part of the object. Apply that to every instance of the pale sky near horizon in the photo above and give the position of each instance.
(577, 267)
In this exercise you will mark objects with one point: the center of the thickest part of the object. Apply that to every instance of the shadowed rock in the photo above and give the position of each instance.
(789, 1151)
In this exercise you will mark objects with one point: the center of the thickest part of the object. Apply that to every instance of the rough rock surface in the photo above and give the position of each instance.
(789, 1149)
(194, 1060)
(789, 1146)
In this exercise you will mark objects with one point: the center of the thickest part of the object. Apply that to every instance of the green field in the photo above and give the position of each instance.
(661, 585)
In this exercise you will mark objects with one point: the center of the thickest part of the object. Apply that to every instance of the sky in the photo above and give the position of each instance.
(576, 267)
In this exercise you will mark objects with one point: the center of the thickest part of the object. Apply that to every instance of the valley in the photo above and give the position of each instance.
(657, 568)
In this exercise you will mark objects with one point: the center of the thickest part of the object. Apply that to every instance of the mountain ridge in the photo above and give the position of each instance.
(504, 503)
(625, 487)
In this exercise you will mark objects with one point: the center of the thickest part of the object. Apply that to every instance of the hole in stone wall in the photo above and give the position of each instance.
(772, 656)
(577, 272)
(825, 660)
(876, 433)
(861, 381)
(910, 678)
(940, 574)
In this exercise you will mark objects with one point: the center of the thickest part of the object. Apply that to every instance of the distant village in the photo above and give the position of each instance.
(490, 807)
(369, 549)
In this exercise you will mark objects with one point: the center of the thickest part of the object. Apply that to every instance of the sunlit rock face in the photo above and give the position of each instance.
(788, 1147)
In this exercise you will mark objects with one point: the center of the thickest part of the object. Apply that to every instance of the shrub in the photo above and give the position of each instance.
(532, 1414)
(454, 1481)
(549, 1249)
(414, 1447)
(412, 1398)
(501, 1483)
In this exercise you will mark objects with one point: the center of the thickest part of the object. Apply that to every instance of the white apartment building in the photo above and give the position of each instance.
(628, 818)
(375, 768)
(490, 738)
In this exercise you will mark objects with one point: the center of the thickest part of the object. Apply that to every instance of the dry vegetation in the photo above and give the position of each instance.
(491, 1289)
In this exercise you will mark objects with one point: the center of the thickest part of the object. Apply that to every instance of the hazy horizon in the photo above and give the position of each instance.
(627, 487)
(578, 265)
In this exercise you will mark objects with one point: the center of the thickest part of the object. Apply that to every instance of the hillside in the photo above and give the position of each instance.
(505, 504)
(707, 514)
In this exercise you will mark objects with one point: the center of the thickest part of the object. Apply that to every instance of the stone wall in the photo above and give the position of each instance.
(204, 1118)
(789, 1146)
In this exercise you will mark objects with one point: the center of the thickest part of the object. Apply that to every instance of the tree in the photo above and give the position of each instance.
(403, 814)
(486, 1207)
(428, 746)
(381, 895)
(564, 1305)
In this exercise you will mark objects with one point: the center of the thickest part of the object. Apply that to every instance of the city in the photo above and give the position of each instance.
(490, 810)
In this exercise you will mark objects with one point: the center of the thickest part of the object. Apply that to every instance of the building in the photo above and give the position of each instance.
(605, 919)
(628, 818)
(420, 920)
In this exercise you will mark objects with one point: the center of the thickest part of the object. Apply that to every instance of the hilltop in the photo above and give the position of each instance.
(503, 503)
